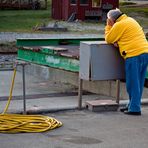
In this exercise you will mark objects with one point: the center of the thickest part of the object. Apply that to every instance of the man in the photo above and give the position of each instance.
(126, 33)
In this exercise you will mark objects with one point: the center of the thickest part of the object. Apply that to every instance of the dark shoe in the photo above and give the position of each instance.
(124, 109)
(132, 113)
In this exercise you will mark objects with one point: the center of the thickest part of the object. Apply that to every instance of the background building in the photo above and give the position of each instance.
(82, 9)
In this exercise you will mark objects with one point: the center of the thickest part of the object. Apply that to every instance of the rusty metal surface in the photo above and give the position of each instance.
(62, 50)
(72, 51)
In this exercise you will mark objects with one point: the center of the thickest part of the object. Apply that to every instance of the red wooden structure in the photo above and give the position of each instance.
(82, 9)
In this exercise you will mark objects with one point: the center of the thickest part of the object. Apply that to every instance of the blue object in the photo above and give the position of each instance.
(135, 68)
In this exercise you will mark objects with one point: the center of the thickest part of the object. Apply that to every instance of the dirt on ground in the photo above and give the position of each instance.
(8, 47)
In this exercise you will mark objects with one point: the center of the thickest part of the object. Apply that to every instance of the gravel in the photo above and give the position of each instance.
(7, 58)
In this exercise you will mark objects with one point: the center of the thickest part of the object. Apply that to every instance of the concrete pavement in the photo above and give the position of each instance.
(81, 129)
(85, 129)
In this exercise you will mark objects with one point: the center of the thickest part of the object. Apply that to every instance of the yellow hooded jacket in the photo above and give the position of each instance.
(129, 36)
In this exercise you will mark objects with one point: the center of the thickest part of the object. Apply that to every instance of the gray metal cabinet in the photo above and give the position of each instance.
(100, 61)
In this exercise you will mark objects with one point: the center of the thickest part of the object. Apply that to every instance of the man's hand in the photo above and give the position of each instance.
(110, 22)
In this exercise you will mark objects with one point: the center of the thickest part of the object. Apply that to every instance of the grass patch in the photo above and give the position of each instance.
(138, 10)
(139, 13)
(23, 20)
(126, 3)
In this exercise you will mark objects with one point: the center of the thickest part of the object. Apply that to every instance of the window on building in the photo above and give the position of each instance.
(84, 2)
(96, 3)
(73, 1)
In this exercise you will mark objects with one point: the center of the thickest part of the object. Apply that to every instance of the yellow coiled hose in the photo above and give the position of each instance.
(16, 123)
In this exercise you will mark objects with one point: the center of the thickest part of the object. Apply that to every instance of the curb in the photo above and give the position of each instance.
(54, 110)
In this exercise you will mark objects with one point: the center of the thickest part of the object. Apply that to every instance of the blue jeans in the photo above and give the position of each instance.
(135, 68)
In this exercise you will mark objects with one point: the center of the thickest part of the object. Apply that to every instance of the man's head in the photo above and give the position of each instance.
(114, 14)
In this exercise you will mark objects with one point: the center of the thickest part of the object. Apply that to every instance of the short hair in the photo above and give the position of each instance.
(114, 14)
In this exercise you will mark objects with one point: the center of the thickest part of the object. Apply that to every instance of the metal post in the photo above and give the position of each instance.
(118, 91)
(24, 89)
(80, 94)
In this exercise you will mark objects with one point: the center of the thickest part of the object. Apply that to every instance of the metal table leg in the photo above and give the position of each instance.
(24, 88)
(118, 91)
(80, 94)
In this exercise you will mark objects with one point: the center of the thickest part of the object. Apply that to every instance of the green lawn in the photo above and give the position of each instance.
(140, 11)
(22, 20)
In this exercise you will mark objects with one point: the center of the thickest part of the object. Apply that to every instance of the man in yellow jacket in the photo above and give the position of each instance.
(124, 32)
